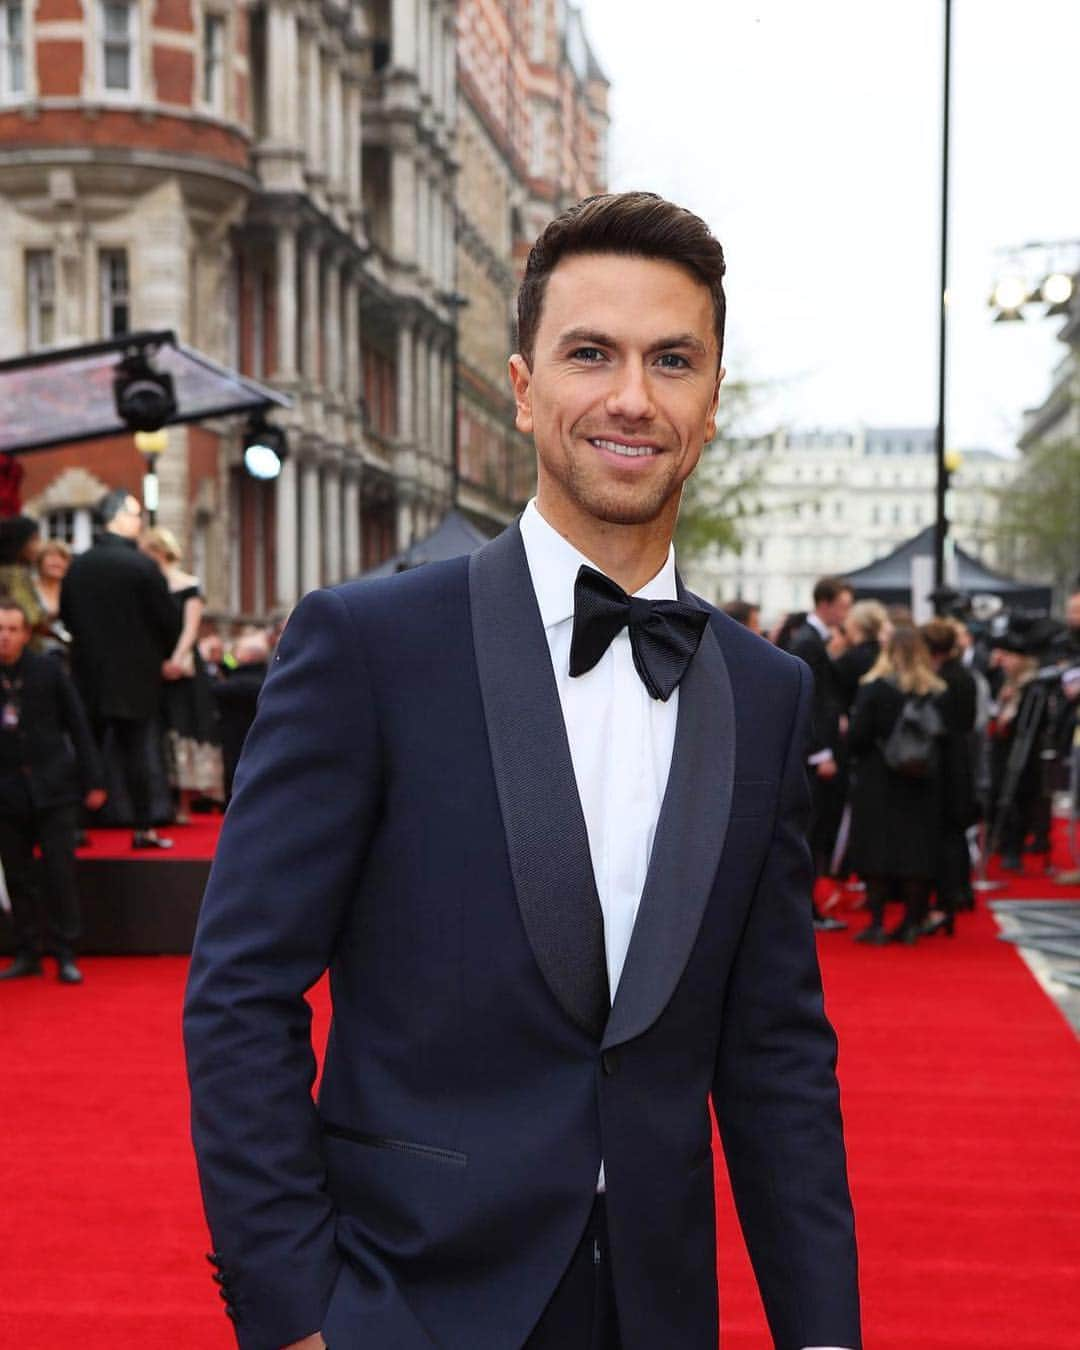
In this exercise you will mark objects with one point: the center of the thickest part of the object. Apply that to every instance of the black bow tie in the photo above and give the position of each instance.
(664, 634)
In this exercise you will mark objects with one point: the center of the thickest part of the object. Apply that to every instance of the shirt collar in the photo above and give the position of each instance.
(554, 563)
(819, 626)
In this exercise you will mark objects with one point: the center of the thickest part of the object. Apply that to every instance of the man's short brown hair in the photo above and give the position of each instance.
(829, 588)
(635, 225)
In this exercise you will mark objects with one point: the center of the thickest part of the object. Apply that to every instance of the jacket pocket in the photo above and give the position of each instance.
(407, 1146)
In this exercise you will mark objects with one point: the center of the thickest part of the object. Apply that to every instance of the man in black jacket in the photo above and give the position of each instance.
(832, 600)
(116, 605)
(48, 765)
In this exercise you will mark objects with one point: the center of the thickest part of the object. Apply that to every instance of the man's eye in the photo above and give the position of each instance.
(587, 354)
(673, 361)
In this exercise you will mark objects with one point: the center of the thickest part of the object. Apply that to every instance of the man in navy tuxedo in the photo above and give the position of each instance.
(541, 813)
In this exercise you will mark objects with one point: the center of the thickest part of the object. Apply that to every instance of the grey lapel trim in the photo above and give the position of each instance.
(534, 775)
(686, 849)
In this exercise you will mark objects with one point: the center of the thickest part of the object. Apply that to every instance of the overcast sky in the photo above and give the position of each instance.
(808, 134)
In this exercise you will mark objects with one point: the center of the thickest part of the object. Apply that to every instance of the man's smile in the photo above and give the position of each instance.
(625, 449)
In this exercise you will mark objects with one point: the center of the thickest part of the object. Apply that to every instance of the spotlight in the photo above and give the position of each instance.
(1009, 294)
(1056, 291)
(145, 398)
(265, 448)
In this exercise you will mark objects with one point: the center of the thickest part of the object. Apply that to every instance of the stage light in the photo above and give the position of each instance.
(1009, 294)
(265, 449)
(1056, 291)
(145, 398)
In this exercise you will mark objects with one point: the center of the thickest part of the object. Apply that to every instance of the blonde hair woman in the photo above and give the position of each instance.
(195, 760)
(865, 628)
(897, 818)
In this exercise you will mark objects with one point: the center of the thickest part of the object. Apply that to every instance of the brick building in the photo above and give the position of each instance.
(283, 183)
(532, 138)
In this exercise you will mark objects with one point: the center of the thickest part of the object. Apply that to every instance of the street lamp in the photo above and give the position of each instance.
(1037, 274)
(151, 444)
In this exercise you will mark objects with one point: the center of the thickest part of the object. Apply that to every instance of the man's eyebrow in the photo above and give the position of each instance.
(690, 340)
(585, 337)
(594, 338)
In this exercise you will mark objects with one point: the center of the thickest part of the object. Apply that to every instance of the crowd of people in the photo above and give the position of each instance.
(119, 708)
(919, 734)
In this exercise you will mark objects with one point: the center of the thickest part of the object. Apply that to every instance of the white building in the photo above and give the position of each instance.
(830, 501)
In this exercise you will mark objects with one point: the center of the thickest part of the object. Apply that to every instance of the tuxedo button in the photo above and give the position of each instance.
(610, 1062)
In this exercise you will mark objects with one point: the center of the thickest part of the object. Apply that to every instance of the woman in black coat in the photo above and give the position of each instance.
(896, 826)
(865, 627)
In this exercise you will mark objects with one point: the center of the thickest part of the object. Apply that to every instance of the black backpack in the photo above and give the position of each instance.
(911, 747)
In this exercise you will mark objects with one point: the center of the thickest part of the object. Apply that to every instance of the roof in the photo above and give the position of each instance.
(885, 576)
(453, 537)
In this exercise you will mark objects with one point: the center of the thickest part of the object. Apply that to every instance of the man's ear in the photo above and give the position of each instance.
(710, 421)
(521, 384)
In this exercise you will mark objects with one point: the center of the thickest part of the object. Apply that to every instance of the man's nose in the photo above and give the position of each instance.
(630, 397)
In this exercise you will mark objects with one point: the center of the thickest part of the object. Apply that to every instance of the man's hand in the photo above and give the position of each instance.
(826, 768)
(172, 670)
(95, 799)
(314, 1342)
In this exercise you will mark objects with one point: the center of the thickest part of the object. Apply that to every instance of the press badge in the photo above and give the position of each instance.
(9, 719)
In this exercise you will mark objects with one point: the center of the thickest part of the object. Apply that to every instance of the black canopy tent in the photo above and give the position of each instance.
(66, 395)
(453, 537)
(888, 579)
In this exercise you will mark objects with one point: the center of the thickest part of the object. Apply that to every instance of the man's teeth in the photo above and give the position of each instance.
(631, 451)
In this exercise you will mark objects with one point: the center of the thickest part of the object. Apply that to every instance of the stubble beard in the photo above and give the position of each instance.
(615, 504)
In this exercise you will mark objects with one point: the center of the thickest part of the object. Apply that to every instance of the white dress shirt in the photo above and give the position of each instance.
(621, 739)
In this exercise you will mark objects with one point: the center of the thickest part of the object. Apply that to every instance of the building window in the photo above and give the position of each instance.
(213, 90)
(12, 49)
(40, 299)
(71, 524)
(118, 47)
(115, 293)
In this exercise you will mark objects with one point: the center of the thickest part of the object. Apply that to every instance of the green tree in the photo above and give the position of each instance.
(1039, 513)
(716, 501)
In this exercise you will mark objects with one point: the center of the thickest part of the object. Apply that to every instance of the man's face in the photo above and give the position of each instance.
(128, 520)
(14, 635)
(835, 612)
(622, 391)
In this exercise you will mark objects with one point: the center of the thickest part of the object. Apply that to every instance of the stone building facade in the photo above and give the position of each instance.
(828, 502)
(532, 137)
(278, 182)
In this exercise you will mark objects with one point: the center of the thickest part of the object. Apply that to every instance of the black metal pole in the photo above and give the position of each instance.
(941, 526)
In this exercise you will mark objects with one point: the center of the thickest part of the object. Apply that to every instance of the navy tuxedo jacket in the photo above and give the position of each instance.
(405, 813)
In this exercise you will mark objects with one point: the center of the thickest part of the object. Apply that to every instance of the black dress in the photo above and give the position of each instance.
(190, 718)
(896, 824)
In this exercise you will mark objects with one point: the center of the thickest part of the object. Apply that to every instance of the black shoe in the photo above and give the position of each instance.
(1010, 862)
(823, 924)
(874, 936)
(67, 972)
(24, 964)
(148, 839)
(906, 933)
(938, 923)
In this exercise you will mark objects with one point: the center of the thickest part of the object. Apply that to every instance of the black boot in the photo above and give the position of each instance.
(67, 972)
(25, 963)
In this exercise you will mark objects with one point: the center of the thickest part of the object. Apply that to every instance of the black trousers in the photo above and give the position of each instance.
(133, 739)
(581, 1314)
(54, 830)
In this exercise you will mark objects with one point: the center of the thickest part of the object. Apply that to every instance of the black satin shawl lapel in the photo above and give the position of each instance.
(534, 775)
(687, 846)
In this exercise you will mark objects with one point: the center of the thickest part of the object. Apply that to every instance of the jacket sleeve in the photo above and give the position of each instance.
(306, 796)
(863, 730)
(164, 616)
(776, 1094)
(91, 768)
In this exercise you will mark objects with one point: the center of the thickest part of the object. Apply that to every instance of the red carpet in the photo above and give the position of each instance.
(962, 1099)
(193, 842)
